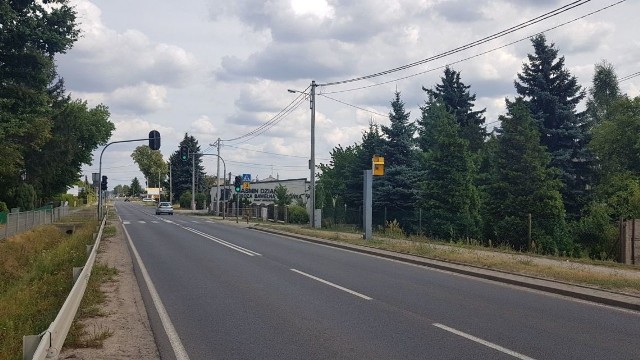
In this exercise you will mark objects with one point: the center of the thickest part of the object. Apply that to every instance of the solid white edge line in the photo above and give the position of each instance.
(332, 284)
(483, 342)
(174, 339)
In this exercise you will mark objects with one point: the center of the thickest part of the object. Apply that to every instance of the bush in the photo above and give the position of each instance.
(596, 232)
(200, 201)
(3, 207)
(298, 214)
(185, 200)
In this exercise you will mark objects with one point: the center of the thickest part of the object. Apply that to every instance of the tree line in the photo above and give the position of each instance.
(46, 135)
(549, 179)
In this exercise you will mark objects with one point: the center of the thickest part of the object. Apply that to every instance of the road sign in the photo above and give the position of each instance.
(246, 185)
(246, 177)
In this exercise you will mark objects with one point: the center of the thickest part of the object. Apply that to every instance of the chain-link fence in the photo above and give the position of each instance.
(20, 221)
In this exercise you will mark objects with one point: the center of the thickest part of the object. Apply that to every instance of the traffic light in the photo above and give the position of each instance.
(154, 140)
(103, 184)
(184, 153)
(237, 183)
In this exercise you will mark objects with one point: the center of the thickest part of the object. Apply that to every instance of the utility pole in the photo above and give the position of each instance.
(312, 164)
(193, 181)
(170, 184)
(218, 181)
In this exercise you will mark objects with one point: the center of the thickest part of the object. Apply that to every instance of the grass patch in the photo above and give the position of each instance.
(79, 336)
(35, 279)
(497, 259)
(109, 231)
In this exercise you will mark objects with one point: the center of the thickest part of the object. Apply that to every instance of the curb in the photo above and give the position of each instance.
(581, 292)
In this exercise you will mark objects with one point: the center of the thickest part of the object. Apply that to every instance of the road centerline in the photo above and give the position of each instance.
(483, 342)
(332, 284)
(222, 242)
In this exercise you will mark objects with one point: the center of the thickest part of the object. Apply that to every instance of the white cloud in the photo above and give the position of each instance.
(222, 68)
(204, 125)
(140, 99)
(104, 59)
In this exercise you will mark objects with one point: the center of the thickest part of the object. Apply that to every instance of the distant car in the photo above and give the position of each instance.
(127, 199)
(164, 208)
(148, 200)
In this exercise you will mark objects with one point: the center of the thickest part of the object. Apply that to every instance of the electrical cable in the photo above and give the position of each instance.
(274, 123)
(479, 54)
(353, 106)
(629, 77)
(486, 39)
(275, 119)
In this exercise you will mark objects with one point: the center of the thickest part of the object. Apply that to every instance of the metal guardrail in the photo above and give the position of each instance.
(18, 222)
(51, 340)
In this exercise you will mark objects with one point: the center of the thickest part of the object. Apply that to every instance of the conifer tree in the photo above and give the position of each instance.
(552, 94)
(455, 95)
(447, 195)
(181, 171)
(399, 144)
(522, 183)
(394, 194)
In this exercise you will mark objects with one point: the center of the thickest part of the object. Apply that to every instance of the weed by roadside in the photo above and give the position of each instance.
(35, 279)
(79, 336)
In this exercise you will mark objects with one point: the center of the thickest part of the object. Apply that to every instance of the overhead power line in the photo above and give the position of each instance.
(353, 106)
(486, 39)
(629, 77)
(294, 104)
(474, 56)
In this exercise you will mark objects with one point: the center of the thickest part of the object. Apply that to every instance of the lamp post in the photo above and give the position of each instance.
(312, 161)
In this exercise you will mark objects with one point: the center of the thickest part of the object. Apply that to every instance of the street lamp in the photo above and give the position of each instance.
(312, 162)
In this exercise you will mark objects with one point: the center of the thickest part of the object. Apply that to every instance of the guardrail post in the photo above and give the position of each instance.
(89, 248)
(77, 271)
(29, 346)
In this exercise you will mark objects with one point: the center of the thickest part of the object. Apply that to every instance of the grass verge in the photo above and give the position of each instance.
(35, 279)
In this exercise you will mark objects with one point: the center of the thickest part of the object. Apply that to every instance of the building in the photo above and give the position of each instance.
(263, 192)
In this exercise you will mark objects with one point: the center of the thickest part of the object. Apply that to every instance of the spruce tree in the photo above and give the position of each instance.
(394, 194)
(455, 95)
(447, 195)
(552, 94)
(522, 183)
(181, 171)
(399, 143)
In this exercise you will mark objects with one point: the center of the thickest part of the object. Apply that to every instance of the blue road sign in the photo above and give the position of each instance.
(246, 177)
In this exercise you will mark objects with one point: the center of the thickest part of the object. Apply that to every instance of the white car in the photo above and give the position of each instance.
(164, 208)
(148, 200)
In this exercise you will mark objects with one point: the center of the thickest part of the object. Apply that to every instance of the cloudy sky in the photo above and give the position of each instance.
(221, 69)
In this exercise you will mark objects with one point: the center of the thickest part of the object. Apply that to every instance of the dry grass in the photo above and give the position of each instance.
(36, 277)
(90, 307)
(611, 276)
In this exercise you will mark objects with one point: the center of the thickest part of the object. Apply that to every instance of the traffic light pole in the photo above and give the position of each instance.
(193, 181)
(150, 138)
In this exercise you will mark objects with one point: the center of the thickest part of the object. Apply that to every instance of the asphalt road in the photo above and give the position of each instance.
(235, 293)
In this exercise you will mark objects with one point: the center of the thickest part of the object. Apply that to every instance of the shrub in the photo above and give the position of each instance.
(298, 214)
(3, 207)
(185, 200)
(596, 232)
(200, 201)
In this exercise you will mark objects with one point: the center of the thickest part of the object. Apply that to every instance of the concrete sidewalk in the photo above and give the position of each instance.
(626, 301)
